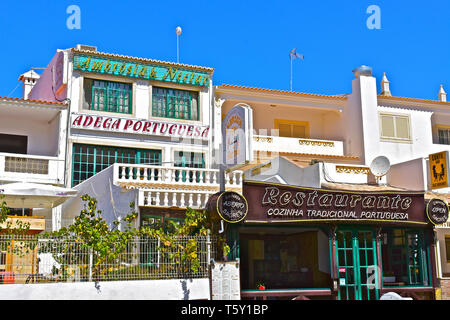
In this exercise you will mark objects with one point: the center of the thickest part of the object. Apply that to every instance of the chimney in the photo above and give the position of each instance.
(442, 94)
(362, 71)
(385, 91)
(85, 47)
(29, 79)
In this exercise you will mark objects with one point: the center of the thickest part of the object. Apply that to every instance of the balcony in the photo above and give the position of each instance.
(37, 224)
(174, 186)
(31, 168)
(297, 145)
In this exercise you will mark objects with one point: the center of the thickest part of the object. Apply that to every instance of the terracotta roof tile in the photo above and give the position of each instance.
(362, 187)
(144, 60)
(30, 100)
(405, 99)
(229, 86)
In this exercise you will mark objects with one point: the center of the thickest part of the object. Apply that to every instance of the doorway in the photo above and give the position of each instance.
(356, 263)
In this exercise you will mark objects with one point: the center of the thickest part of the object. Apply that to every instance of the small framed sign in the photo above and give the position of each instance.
(437, 211)
(229, 205)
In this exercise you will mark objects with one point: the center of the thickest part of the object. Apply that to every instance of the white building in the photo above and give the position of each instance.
(33, 147)
(140, 130)
(344, 134)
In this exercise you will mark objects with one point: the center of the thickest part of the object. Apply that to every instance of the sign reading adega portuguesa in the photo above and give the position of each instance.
(140, 70)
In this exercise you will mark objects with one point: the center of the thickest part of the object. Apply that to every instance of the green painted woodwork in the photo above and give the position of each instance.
(87, 160)
(175, 104)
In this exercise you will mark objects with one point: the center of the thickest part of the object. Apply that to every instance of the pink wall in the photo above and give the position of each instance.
(45, 88)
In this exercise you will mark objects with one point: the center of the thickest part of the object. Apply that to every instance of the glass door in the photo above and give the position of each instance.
(357, 264)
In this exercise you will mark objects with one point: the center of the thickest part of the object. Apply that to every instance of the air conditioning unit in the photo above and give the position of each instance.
(86, 47)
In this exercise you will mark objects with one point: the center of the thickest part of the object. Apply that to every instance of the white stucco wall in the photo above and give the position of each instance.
(184, 289)
(411, 175)
(42, 136)
(112, 200)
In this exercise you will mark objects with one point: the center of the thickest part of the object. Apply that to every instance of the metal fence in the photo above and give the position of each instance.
(34, 259)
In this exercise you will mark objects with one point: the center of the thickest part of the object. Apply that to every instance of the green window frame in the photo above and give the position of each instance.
(150, 255)
(189, 160)
(356, 263)
(174, 103)
(108, 96)
(87, 160)
(406, 257)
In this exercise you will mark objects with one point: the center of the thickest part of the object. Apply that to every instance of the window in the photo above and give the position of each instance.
(107, 96)
(405, 258)
(189, 160)
(150, 253)
(292, 129)
(284, 261)
(176, 104)
(26, 212)
(395, 127)
(11, 143)
(89, 159)
(447, 247)
(444, 136)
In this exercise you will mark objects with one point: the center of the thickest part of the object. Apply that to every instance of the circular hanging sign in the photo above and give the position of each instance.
(437, 211)
(229, 205)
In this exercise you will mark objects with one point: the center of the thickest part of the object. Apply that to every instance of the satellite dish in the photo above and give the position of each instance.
(380, 166)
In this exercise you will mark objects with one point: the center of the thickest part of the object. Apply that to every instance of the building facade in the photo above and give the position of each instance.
(327, 144)
(32, 149)
(141, 127)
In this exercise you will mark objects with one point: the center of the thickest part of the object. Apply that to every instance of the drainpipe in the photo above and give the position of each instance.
(67, 141)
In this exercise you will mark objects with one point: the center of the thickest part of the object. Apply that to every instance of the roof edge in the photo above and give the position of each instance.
(144, 60)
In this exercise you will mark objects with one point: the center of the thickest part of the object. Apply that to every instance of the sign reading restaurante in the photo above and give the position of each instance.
(140, 70)
(138, 126)
(280, 203)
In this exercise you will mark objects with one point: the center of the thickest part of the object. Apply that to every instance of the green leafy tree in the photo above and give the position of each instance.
(18, 228)
(91, 233)
(106, 245)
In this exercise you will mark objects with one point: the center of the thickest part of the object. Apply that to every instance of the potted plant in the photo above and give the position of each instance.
(260, 286)
(388, 276)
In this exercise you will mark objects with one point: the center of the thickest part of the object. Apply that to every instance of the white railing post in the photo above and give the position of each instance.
(166, 199)
(91, 261)
(191, 202)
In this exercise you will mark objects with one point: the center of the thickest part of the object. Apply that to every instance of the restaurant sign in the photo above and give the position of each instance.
(281, 203)
(230, 206)
(437, 211)
(138, 126)
(438, 164)
(140, 70)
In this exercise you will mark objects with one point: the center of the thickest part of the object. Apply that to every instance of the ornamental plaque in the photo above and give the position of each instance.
(437, 211)
(229, 205)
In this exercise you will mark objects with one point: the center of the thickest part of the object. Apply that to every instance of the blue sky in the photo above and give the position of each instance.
(247, 42)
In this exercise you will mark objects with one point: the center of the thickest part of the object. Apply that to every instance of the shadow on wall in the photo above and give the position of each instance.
(185, 290)
(113, 200)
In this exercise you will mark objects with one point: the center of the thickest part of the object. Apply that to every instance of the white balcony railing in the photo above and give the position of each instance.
(31, 168)
(174, 198)
(297, 145)
(174, 186)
